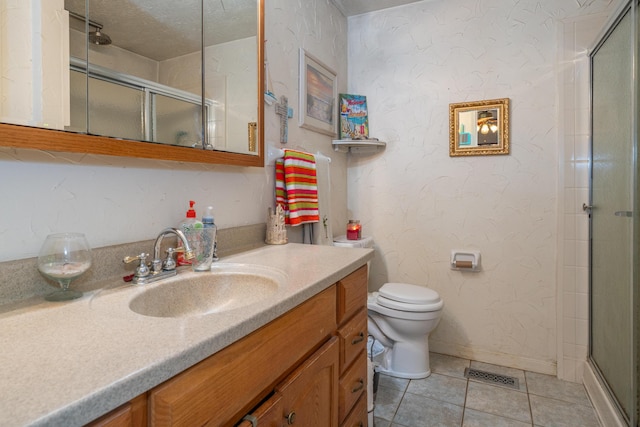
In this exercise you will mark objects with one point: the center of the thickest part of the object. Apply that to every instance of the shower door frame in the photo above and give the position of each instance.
(633, 418)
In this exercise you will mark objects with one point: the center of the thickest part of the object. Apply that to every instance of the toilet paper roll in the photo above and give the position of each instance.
(464, 264)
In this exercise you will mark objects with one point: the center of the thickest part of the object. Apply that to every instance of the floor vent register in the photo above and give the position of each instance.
(490, 377)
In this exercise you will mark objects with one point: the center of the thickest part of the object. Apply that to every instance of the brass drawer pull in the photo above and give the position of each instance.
(291, 418)
(358, 339)
(359, 387)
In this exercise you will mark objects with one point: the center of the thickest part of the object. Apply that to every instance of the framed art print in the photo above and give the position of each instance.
(318, 95)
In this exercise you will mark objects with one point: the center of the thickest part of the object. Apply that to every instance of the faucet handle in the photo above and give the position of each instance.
(142, 270)
(169, 263)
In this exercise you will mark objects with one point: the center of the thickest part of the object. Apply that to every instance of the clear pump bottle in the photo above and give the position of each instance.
(208, 222)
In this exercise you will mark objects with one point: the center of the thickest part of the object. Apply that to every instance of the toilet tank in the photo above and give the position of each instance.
(365, 242)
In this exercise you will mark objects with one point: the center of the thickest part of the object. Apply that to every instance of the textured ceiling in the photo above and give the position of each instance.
(356, 7)
(163, 29)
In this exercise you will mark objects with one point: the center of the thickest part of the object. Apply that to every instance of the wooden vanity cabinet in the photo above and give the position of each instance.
(305, 368)
(224, 387)
(352, 332)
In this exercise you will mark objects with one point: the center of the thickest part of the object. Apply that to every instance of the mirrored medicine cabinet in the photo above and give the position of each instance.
(135, 78)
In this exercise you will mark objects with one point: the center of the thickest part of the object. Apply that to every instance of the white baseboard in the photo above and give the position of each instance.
(518, 362)
(607, 412)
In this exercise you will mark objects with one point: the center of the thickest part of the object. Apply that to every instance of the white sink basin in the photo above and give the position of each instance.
(227, 287)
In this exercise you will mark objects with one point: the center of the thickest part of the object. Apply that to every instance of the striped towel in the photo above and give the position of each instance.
(297, 187)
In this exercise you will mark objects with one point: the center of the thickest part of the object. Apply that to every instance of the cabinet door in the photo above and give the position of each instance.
(310, 393)
(131, 414)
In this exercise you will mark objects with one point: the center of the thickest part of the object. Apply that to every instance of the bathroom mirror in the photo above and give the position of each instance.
(169, 123)
(479, 128)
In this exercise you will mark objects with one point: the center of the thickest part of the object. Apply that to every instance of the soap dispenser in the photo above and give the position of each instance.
(189, 224)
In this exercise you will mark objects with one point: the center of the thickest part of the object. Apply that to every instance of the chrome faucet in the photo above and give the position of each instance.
(159, 269)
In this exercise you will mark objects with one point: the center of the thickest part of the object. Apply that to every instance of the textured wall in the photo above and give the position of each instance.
(117, 200)
(419, 203)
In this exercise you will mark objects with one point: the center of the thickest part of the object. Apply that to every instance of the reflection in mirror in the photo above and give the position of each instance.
(133, 85)
(164, 84)
(479, 128)
(229, 63)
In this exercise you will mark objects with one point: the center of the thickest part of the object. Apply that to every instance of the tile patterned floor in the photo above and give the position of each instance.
(449, 399)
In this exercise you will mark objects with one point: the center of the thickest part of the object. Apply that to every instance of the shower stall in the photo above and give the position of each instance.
(614, 213)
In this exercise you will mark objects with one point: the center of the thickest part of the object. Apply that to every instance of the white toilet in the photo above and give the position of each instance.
(401, 317)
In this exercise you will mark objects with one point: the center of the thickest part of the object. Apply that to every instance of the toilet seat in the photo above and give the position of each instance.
(407, 297)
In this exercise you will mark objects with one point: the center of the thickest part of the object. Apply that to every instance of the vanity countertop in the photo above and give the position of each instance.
(68, 363)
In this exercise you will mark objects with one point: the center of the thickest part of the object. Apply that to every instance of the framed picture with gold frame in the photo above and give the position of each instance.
(479, 128)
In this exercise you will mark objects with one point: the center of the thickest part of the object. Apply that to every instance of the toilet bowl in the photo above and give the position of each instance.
(401, 317)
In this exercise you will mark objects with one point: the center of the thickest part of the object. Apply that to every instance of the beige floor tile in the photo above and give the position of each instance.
(473, 418)
(420, 411)
(549, 386)
(440, 387)
(550, 412)
(387, 402)
(393, 382)
(447, 365)
(379, 422)
(498, 401)
(448, 399)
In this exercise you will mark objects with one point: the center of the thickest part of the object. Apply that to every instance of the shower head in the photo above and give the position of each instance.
(99, 38)
(95, 37)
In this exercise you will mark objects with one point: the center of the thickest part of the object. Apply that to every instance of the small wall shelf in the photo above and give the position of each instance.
(358, 145)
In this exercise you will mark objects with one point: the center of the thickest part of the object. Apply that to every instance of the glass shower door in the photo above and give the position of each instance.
(612, 198)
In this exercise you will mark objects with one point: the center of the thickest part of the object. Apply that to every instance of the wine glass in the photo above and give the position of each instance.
(64, 257)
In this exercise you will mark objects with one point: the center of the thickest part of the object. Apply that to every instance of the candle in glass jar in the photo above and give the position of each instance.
(354, 230)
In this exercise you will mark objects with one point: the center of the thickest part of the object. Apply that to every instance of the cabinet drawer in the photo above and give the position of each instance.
(359, 415)
(352, 293)
(353, 384)
(269, 414)
(353, 339)
(227, 384)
